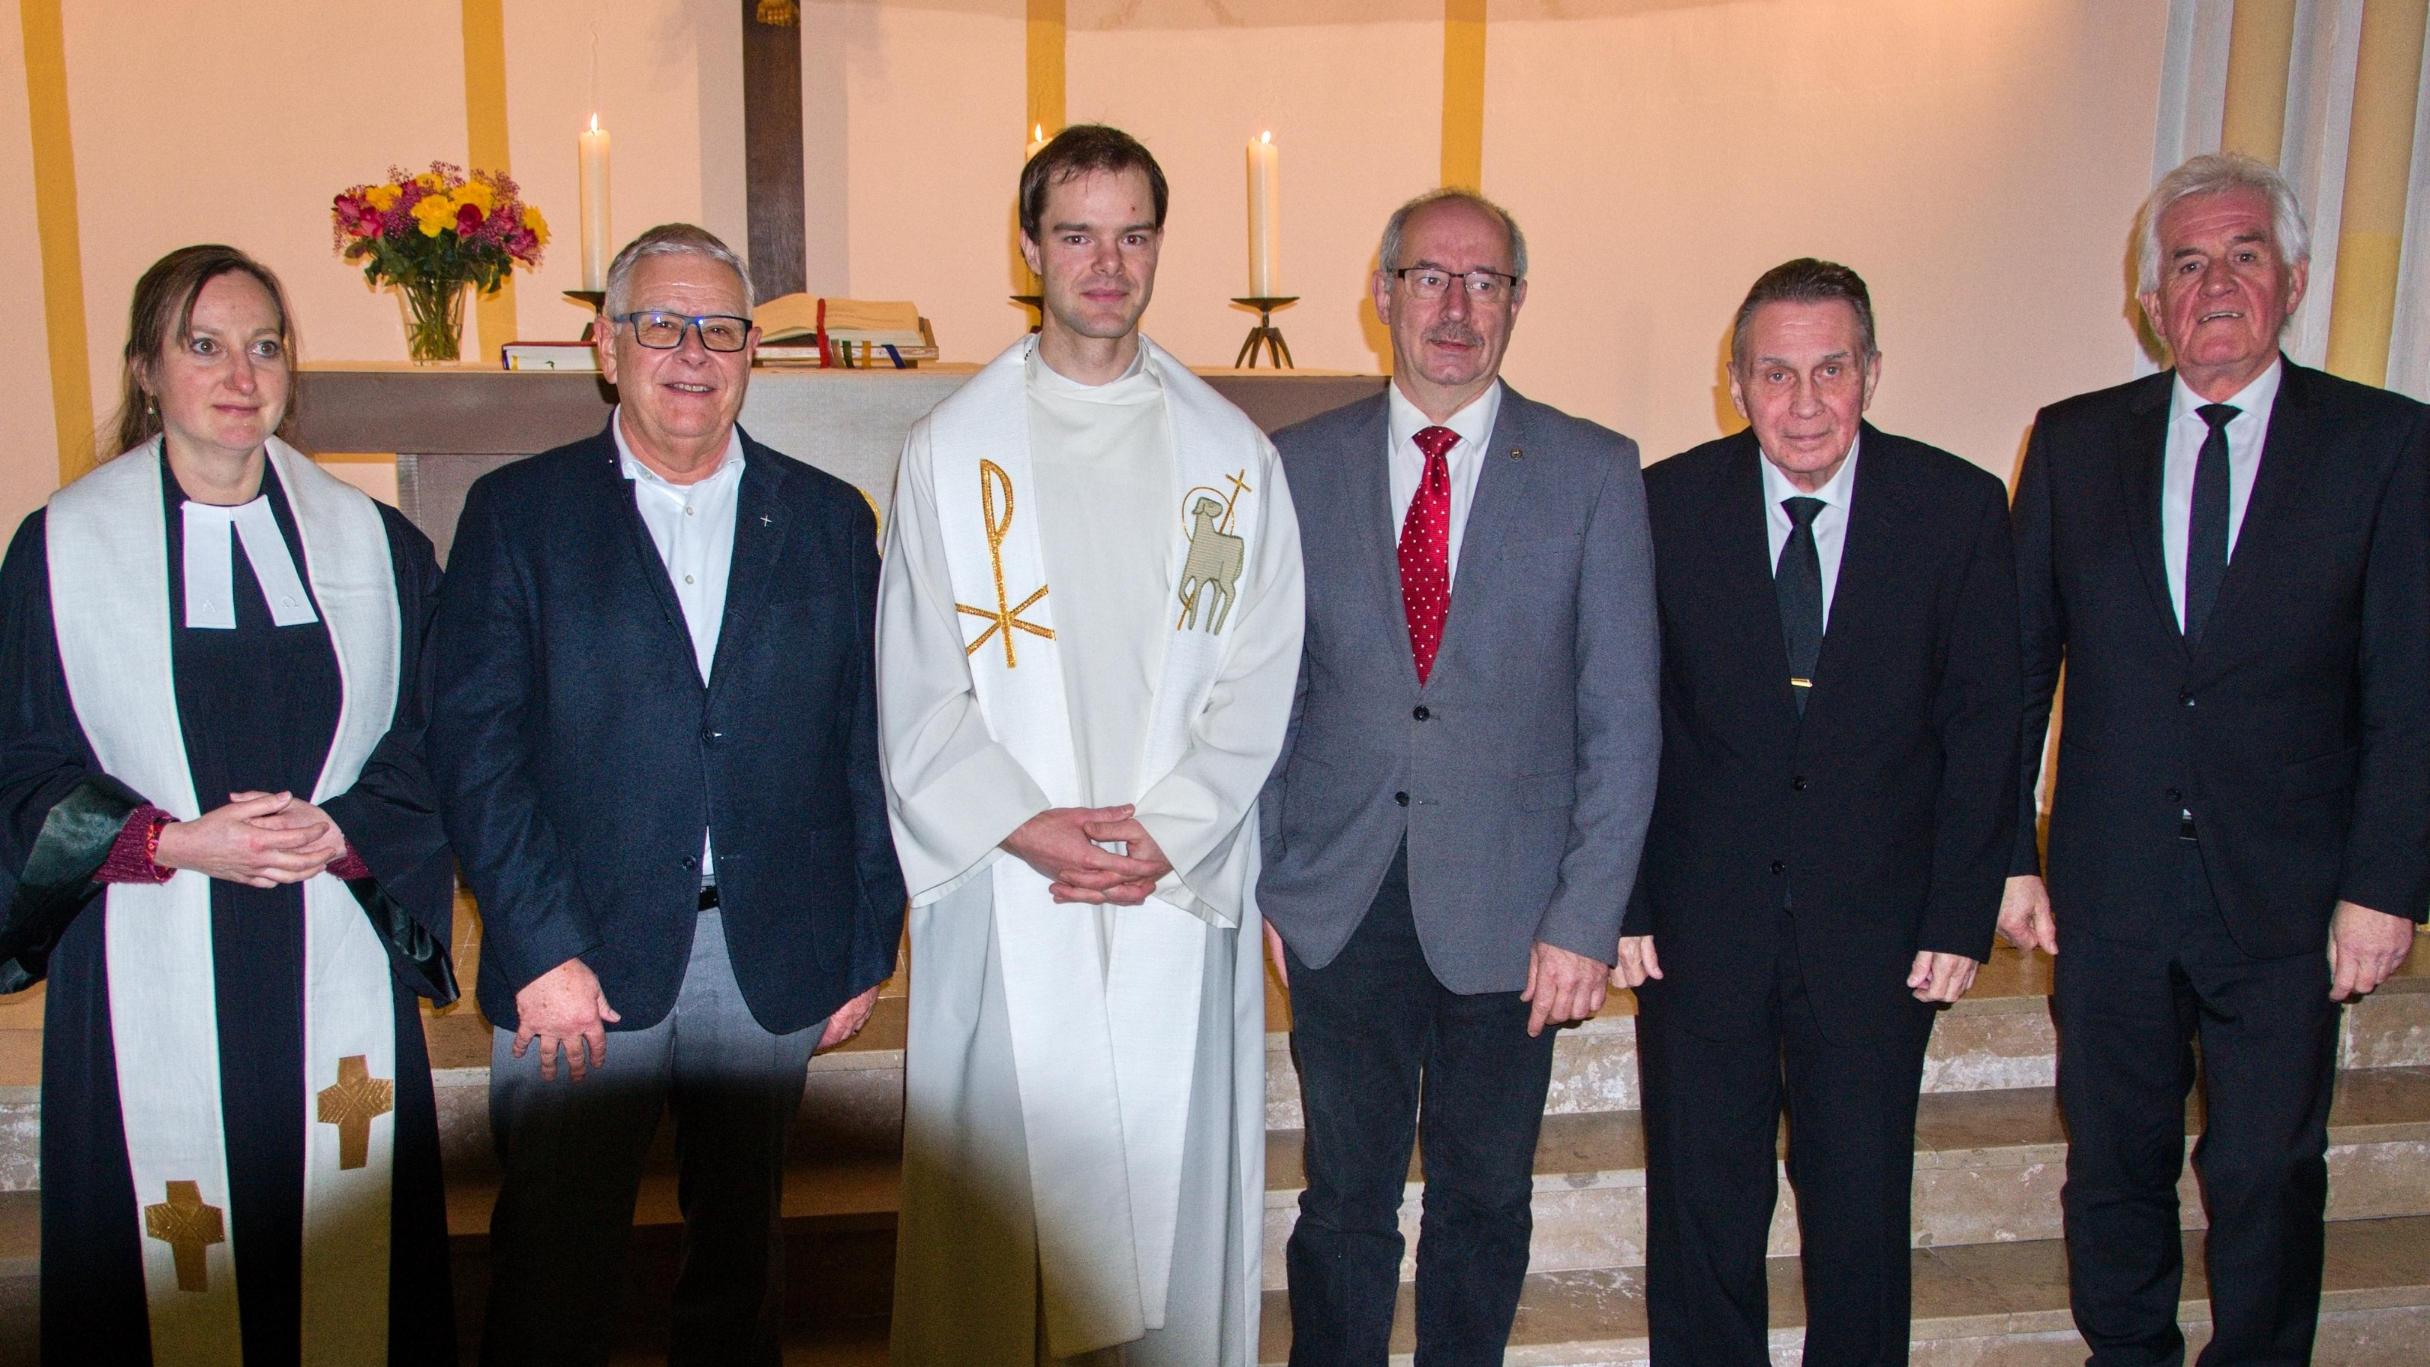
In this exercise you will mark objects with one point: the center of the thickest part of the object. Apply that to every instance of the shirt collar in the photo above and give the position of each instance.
(1834, 492)
(728, 466)
(1474, 422)
(2255, 397)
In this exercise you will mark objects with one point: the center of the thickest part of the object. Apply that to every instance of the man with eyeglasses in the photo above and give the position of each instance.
(655, 734)
(1453, 828)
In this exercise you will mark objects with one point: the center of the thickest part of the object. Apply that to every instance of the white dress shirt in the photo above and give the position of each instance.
(2186, 431)
(1830, 525)
(692, 525)
(1405, 464)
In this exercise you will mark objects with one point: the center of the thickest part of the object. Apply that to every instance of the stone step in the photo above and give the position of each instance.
(1998, 1039)
(1988, 1166)
(1988, 1169)
(1975, 1306)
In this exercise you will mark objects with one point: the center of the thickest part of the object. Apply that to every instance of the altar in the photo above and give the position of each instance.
(449, 425)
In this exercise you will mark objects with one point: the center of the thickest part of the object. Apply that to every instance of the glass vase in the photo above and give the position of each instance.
(434, 319)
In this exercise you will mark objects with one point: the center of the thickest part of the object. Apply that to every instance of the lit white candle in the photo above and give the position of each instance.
(1265, 216)
(598, 246)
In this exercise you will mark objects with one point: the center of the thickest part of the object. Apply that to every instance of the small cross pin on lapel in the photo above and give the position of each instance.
(766, 521)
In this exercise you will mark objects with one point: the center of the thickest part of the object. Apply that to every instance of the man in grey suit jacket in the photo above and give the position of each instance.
(1453, 827)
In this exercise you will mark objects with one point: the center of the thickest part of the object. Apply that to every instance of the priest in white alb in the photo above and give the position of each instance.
(1088, 636)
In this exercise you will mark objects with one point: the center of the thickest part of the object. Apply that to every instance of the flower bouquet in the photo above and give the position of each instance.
(431, 234)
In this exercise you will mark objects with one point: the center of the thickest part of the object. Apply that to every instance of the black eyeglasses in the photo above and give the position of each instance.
(1433, 282)
(662, 331)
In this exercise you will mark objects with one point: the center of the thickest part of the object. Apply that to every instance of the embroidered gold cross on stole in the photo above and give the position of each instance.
(188, 1227)
(351, 1103)
(1005, 619)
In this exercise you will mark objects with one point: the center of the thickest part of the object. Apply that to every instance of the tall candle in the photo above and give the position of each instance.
(1265, 216)
(598, 246)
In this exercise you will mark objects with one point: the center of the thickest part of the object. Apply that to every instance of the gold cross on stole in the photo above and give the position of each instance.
(188, 1227)
(1005, 619)
(351, 1103)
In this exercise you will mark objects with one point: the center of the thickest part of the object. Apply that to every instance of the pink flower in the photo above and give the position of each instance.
(468, 217)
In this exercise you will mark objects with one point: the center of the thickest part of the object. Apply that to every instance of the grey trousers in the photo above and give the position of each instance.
(572, 1154)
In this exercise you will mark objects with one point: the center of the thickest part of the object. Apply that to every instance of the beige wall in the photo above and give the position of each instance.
(1977, 161)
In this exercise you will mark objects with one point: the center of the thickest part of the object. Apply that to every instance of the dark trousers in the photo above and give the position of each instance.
(2128, 1018)
(573, 1154)
(1372, 1032)
(1712, 1118)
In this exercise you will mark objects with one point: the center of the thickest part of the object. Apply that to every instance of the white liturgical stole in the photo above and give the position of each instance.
(1105, 1059)
(108, 558)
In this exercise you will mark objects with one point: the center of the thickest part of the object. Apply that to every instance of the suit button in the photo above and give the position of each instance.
(691, 861)
(708, 737)
(1401, 798)
(1779, 868)
(1798, 784)
(2175, 797)
(1420, 712)
(2186, 696)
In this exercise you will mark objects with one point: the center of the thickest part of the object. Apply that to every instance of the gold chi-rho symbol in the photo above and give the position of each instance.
(1006, 619)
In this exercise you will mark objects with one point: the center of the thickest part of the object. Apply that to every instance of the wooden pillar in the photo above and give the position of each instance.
(2379, 157)
(485, 145)
(1464, 93)
(56, 229)
(2261, 41)
(772, 151)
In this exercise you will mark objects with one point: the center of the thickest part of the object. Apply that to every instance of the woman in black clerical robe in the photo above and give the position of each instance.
(226, 864)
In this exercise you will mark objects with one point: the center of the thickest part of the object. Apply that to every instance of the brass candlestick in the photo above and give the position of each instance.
(1265, 336)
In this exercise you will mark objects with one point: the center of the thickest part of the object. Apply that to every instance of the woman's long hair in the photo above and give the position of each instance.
(163, 313)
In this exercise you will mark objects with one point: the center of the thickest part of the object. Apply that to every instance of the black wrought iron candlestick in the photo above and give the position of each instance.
(1265, 335)
(1033, 301)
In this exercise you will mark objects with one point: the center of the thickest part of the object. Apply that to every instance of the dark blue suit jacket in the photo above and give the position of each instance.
(580, 757)
(2297, 730)
(1884, 810)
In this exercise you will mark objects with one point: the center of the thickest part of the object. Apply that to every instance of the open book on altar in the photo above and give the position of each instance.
(806, 329)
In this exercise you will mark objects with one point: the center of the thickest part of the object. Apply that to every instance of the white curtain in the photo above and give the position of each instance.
(2409, 346)
(2320, 113)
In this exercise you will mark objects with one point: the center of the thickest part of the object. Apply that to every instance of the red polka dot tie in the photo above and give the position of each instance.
(1426, 551)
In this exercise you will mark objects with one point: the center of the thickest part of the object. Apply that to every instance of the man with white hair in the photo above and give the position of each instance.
(2232, 560)
(655, 734)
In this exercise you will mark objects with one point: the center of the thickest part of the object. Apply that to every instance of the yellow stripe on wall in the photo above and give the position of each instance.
(46, 99)
(485, 141)
(1464, 93)
(1045, 58)
(2261, 42)
(2379, 156)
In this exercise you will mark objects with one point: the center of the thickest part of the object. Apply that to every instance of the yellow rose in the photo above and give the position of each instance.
(382, 198)
(479, 195)
(533, 221)
(434, 214)
(430, 180)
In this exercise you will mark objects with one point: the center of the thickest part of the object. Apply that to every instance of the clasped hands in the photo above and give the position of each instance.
(258, 839)
(1062, 844)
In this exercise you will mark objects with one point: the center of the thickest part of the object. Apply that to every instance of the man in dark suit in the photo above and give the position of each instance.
(655, 731)
(1450, 833)
(2232, 559)
(1839, 702)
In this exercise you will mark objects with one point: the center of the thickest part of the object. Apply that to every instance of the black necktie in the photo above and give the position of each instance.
(1797, 583)
(2206, 524)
